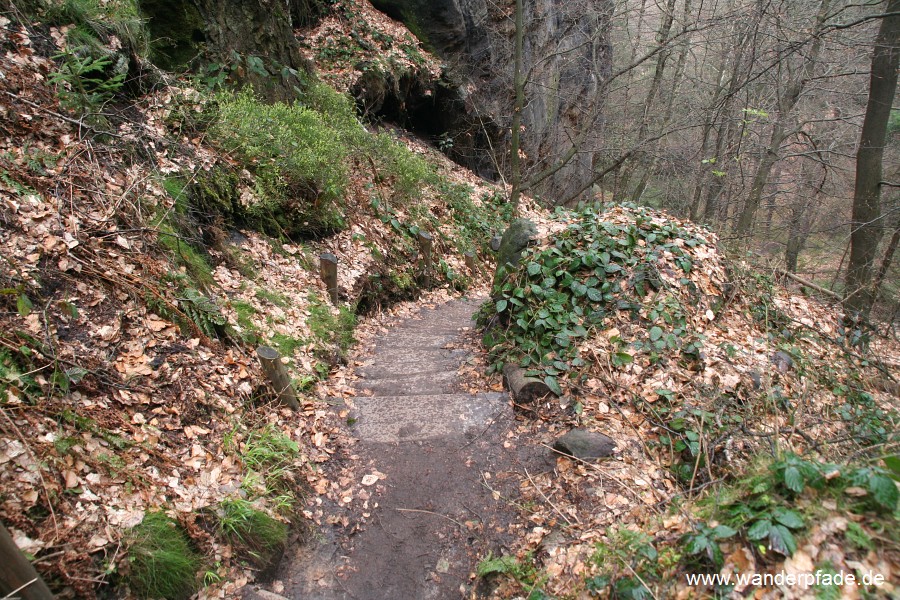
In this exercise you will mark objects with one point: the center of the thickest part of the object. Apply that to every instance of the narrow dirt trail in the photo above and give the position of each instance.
(432, 516)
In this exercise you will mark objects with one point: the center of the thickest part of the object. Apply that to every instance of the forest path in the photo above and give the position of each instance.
(439, 507)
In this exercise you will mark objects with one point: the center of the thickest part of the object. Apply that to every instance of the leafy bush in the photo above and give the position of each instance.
(628, 562)
(302, 154)
(86, 83)
(163, 564)
(97, 20)
(560, 294)
(301, 163)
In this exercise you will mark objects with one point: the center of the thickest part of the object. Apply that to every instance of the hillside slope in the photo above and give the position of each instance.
(149, 243)
(155, 230)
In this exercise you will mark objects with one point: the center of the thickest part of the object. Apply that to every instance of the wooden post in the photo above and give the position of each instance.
(425, 249)
(278, 376)
(328, 273)
(18, 579)
(470, 261)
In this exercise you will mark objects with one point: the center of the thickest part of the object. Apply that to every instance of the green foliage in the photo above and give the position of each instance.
(332, 333)
(205, 313)
(86, 83)
(14, 376)
(764, 508)
(274, 297)
(594, 268)
(301, 160)
(270, 456)
(302, 155)
(703, 543)
(523, 571)
(251, 530)
(628, 562)
(162, 562)
(97, 20)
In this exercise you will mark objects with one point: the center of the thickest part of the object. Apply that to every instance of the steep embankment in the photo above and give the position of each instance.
(149, 243)
(754, 434)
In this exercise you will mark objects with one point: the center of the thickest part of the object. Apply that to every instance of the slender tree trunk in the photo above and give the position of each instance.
(662, 39)
(866, 225)
(786, 103)
(515, 163)
(886, 261)
(670, 105)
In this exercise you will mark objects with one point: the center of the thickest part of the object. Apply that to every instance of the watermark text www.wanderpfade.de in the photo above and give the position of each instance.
(805, 580)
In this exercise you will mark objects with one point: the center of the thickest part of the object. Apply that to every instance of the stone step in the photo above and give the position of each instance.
(413, 418)
(416, 338)
(390, 366)
(412, 384)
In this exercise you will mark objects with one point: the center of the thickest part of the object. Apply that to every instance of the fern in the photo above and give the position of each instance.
(204, 312)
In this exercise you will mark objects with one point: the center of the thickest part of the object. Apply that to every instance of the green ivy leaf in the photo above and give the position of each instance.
(723, 532)
(759, 529)
(793, 480)
(501, 305)
(788, 518)
(553, 384)
(884, 491)
(782, 540)
(23, 305)
(655, 333)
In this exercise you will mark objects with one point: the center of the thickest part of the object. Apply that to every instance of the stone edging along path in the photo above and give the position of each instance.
(433, 514)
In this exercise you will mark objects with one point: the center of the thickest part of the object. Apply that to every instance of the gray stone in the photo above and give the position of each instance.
(257, 593)
(413, 418)
(495, 243)
(782, 361)
(584, 444)
(520, 234)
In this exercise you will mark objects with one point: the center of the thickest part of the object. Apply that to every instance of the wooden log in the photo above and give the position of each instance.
(425, 243)
(470, 261)
(328, 272)
(275, 371)
(18, 578)
(524, 389)
(809, 284)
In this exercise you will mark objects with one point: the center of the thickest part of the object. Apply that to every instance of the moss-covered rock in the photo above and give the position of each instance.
(520, 234)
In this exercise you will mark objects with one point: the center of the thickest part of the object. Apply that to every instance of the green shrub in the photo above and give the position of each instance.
(562, 293)
(85, 83)
(301, 162)
(302, 155)
(163, 564)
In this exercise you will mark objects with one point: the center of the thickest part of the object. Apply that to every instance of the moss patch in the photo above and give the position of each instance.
(163, 564)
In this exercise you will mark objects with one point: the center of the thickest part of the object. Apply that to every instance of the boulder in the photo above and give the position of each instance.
(520, 234)
(782, 361)
(584, 444)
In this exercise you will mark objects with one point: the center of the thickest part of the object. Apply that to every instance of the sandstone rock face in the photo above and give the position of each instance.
(566, 56)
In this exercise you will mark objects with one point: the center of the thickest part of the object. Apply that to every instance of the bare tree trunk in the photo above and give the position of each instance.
(662, 39)
(670, 105)
(515, 163)
(866, 226)
(887, 260)
(786, 103)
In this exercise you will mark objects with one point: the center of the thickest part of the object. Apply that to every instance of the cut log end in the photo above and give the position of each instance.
(524, 389)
